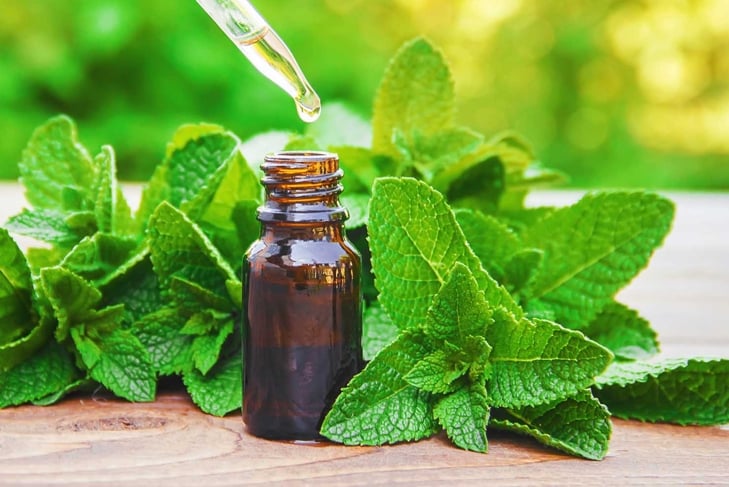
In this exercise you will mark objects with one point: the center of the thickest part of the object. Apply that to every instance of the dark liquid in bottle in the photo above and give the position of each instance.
(301, 348)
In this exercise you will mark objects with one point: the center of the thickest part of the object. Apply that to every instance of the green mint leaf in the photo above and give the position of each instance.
(521, 268)
(378, 406)
(477, 181)
(111, 210)
(197, 161)
(415, 95)
(459, 309)
(55, 165)
(82, 223)
(98, 258)
(624, 332)
(170, 351)
(206, 349)
(537, 361)
(46, 225)
(492, 241)
(77, 385)
(464, 415)
(105, 189)
(415, 243)
(72, 298)
(118, 361)
(49, 370)
(430, 153)
(378, 331)
(194, 296)
(256, 148)
(578, 425)
(15, 352)
(683, 391)
(190, 131)
(358, 206)
(338, 125)
(180, 249)
(436, 372)
(135, 285)
(242, 230)
(360, 167)
(16, 291)
(238, 183)
(235, 291)
(220, 390)
(594, 248)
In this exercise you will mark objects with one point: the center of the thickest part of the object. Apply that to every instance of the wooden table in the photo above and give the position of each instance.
(94, 440)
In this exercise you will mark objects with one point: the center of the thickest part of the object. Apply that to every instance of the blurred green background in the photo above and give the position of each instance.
(614, 93)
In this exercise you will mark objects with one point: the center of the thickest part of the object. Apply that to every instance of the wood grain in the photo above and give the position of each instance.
(92, 440)
(85, 441)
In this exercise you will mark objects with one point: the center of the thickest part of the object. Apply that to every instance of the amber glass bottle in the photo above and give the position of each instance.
(302, 299)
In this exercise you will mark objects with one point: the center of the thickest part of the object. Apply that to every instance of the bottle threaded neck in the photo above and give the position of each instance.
(302, 186)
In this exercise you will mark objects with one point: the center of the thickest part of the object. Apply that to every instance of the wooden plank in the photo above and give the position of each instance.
(88, 441)
(91, 440)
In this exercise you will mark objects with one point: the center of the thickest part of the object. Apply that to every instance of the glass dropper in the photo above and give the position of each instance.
(250, 32)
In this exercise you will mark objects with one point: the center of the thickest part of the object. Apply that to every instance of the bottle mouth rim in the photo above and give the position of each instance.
(300, 156)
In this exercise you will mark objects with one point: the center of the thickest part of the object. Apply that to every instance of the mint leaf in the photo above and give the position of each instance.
(378, 331)
(492, 241)
(578, 425)
(197, 160)
(415, 242)
(180, 249)
(415, 95)
(77, 385)
(46, 225)
(206, 348)
(56, 166)
(111, 210)
(46, 372)
(683, 391)
(98, 258)
(592, 249)
(360, 167)
(16, 289)
(219, 391)
(459, 309)
(464, 415)
(135, 285)
(436, 372)
(195, 297)
(170, 351)
(430, 153)
(72, 298)
(624, 332)
(537, 361)
(238, 183)
(358, 206)
(15, 352)
(118, 361)
(521, 268)
(338, 125)
(378, 406)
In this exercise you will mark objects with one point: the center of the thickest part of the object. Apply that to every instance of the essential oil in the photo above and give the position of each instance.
(302, 299)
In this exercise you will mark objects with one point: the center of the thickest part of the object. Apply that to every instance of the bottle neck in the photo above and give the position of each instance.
(302, 187)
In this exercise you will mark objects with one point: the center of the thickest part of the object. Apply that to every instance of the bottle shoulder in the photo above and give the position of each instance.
(301, 252)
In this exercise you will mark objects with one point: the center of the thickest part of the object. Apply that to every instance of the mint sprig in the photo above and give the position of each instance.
(480, 312)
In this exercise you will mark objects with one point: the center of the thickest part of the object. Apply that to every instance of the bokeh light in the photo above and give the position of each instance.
(614, 93)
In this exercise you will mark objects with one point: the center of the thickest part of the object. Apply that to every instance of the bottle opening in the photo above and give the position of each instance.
(302, 186)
